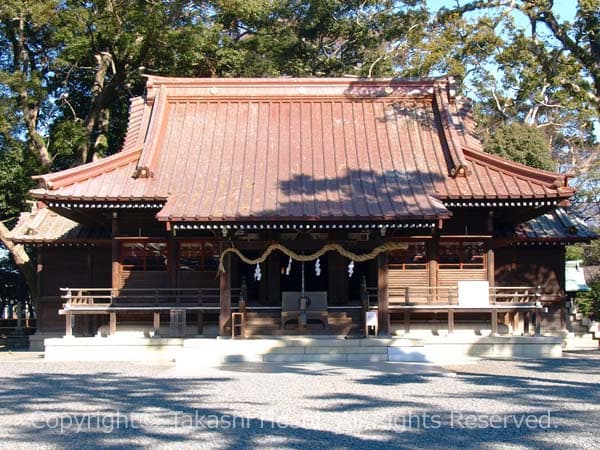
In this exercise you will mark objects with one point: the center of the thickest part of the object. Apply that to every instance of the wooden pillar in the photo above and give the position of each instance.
(116, 265)
(225, 296)
(39, 270)
(433, 268)
(491, 272)
(200, 322)
(382, 294)
(538, 322)
(172, 260)
(87, 326)
(274, 279)
(450, 321)
(337, 283)
(68, 324)
(39, 286)
(494, 322)
(506, 320)
(112, 328)
(156, 324)
(490, 260)
(406, 321)
(518, 323)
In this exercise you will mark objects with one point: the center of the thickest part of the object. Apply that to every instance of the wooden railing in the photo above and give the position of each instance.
(80, 298)
(514, 294)
(448, 295)
(423, 294)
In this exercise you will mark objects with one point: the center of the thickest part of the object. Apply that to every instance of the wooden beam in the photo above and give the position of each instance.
(225, 296)
(450, 321)
(382, 294)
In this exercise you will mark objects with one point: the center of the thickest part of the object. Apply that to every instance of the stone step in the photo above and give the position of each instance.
(325, 357)
(576, 335)
(288, 349)
(330, 350)
(577, 343)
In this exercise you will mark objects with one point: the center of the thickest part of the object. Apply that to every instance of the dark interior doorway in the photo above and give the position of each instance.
(312, 281)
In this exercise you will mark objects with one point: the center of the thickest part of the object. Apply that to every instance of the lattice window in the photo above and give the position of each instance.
(198, 256)
(414, 257)
(144, 255)
(462, 255)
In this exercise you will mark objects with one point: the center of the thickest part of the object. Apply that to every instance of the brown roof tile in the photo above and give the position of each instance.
(278, 149)
(557, 225)
(42, 226)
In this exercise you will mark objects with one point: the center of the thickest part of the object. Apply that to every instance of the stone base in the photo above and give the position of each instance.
(206, 352)
(451, 348)
(111, 349)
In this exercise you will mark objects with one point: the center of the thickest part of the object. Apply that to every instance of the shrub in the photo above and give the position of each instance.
(588, 303)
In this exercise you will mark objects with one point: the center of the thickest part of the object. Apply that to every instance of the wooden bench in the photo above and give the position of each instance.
(315, 311)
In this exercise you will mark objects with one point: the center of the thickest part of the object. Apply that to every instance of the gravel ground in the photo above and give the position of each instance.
(487, 404)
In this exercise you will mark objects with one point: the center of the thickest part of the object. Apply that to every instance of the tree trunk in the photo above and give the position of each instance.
(30, 107)
(21, 259)
(97, 113)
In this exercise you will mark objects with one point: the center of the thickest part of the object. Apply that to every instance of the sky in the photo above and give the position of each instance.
(564, 9)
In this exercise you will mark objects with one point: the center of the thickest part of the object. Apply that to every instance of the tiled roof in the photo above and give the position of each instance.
(556, 225)
(281, 149)
(43, 226)
(108, 179)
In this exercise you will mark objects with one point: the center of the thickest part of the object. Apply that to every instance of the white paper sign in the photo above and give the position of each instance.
(371, 318)
(473, 294)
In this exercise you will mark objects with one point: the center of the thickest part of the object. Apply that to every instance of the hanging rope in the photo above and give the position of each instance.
(388, 246)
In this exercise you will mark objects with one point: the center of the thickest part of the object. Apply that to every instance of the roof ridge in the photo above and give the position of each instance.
(442, 101)
(154, 80)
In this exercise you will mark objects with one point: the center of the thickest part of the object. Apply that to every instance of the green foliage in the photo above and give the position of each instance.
(14, 182)
(591, 252)
(588, 303)
(574, 253)
(521, 143)
(67, 136)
